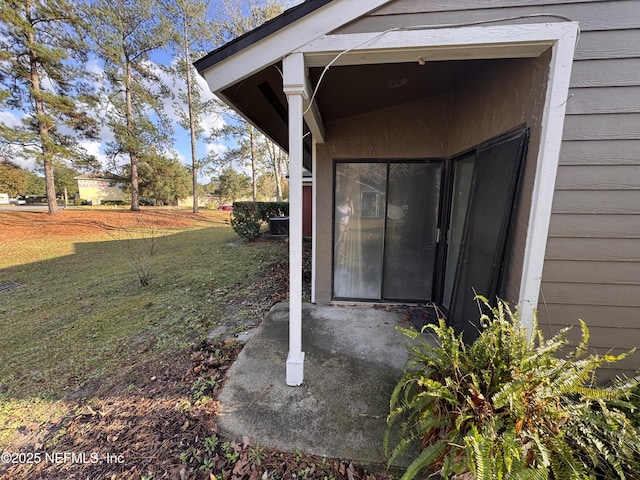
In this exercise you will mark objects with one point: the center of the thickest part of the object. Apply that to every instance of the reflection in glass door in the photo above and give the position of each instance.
(462, 176)
(385, 230)
(360, 207)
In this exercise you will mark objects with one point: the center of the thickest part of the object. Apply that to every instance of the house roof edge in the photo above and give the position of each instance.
(253, 36)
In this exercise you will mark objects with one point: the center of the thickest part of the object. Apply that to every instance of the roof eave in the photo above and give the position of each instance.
(268, 28)
(270, 43)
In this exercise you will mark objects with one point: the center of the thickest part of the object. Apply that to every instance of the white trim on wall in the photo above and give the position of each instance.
(547, 167)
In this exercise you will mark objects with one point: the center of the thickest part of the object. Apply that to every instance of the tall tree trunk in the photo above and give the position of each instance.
(254, 184)
(192, 121)
(133, 155)
(274, 153)
(43, 130)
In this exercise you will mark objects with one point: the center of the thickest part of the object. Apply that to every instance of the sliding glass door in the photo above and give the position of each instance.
(385, 230)
(429, 230)
(483, 245)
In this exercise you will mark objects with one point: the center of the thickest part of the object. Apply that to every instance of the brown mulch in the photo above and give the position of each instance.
(162, 432)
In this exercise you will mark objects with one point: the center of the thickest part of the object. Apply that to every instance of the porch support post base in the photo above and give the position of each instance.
(295, 369)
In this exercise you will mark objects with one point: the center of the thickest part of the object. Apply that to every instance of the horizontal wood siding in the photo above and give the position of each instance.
(595, 315)
(595, 226)
(593, 16)
(598, 177)
(593, 249)
(623, 126)
(597, 272)
(600, 152)
(592, 267)
(603, 100)
(604, 202)
(616, 72)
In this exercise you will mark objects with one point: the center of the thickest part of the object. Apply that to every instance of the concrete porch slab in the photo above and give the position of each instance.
(353, 359)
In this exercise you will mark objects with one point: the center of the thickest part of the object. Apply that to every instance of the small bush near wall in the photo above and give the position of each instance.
(513, 406)
(248, 218)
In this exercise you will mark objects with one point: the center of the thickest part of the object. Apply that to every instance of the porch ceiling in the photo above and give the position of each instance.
(346, 91)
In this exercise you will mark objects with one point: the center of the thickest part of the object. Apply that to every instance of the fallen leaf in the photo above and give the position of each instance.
(240, 468)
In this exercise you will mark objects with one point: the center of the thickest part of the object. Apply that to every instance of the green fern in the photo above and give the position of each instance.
(512, 406)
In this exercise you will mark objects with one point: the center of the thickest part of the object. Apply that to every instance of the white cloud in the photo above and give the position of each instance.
(9, 118)
(218, 149)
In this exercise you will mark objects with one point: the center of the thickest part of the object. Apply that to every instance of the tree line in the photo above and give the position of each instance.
(83, 70)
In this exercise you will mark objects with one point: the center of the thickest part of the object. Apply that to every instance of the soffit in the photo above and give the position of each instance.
(347, 91)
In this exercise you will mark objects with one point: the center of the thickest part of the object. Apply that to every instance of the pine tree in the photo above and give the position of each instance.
(236, 17)
(193, 35)
(124, 34)
(40, 75)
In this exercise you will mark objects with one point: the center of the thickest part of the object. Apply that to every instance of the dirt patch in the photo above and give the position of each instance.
(78, 223)
(166, 429)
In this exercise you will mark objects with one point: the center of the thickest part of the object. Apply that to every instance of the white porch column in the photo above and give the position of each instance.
(295, 88)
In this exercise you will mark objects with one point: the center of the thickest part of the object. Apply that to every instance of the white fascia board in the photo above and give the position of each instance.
(273, 48)
(547, 167)
(429, 44)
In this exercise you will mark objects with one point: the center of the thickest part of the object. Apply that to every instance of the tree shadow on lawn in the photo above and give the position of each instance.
(162, 431)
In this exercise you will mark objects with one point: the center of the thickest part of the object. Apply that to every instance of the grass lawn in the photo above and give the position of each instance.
(95, 365)
(80, 323)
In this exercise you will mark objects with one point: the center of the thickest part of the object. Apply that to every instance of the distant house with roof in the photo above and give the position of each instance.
(99, 188)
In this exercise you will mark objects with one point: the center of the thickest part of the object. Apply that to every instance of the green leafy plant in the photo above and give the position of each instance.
(511, 406)
(248, 217)
(231, 453)
(204, 385)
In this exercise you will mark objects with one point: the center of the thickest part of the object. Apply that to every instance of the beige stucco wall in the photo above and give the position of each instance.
(490, 102)
(494, 101)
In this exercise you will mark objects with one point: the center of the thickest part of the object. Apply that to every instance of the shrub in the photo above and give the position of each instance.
(509, 406)
(249, 217)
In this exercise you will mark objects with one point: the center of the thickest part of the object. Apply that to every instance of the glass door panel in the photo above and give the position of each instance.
(360, 209)
(462, 176)
(484, 240)
(411, 231)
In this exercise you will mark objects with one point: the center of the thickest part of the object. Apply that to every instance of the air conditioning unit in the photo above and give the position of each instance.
(279, 226)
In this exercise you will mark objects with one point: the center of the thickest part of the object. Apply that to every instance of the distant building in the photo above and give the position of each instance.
(97, 189)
